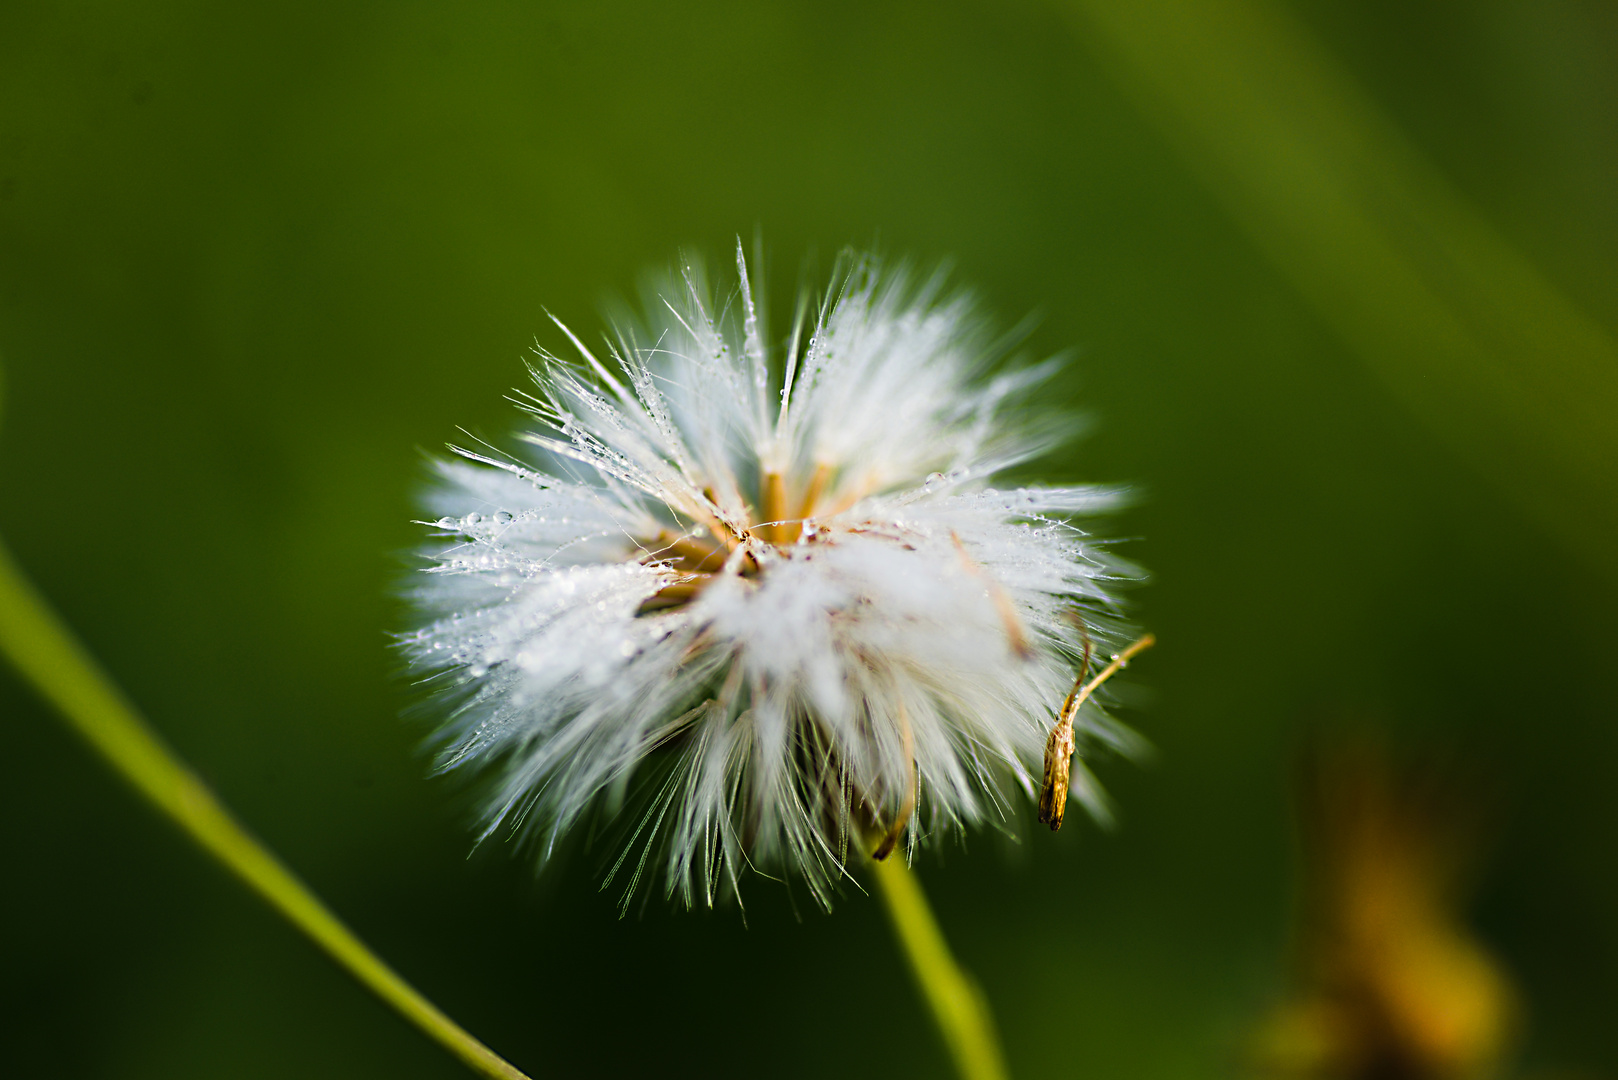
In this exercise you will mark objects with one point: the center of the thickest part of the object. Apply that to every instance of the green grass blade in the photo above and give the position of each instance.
(1462, 328)
(47, 654)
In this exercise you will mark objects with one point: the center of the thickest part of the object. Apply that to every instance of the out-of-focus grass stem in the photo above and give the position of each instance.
(1457, 324)
(48, 655)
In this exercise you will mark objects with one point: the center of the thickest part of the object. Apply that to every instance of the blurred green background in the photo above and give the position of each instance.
(253, 262)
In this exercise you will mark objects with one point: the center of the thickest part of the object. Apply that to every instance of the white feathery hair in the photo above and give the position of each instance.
(777, 594)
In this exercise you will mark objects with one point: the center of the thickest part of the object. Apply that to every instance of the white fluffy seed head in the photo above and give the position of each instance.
(763, 609)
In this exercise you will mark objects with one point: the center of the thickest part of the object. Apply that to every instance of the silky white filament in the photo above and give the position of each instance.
(762, 608)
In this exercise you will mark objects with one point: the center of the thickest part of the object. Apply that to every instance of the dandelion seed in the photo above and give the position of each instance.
(773, 605)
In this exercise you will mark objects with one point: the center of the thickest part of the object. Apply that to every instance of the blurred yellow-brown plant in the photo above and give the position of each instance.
(1392, 984)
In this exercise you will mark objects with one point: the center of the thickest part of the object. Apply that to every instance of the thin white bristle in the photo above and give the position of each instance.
(792, 624)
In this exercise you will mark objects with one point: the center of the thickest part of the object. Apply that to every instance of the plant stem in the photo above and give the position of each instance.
(956, 1002)
(47, 654)
(1461, 326)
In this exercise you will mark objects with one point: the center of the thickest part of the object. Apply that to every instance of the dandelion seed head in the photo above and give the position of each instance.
(772, 593)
